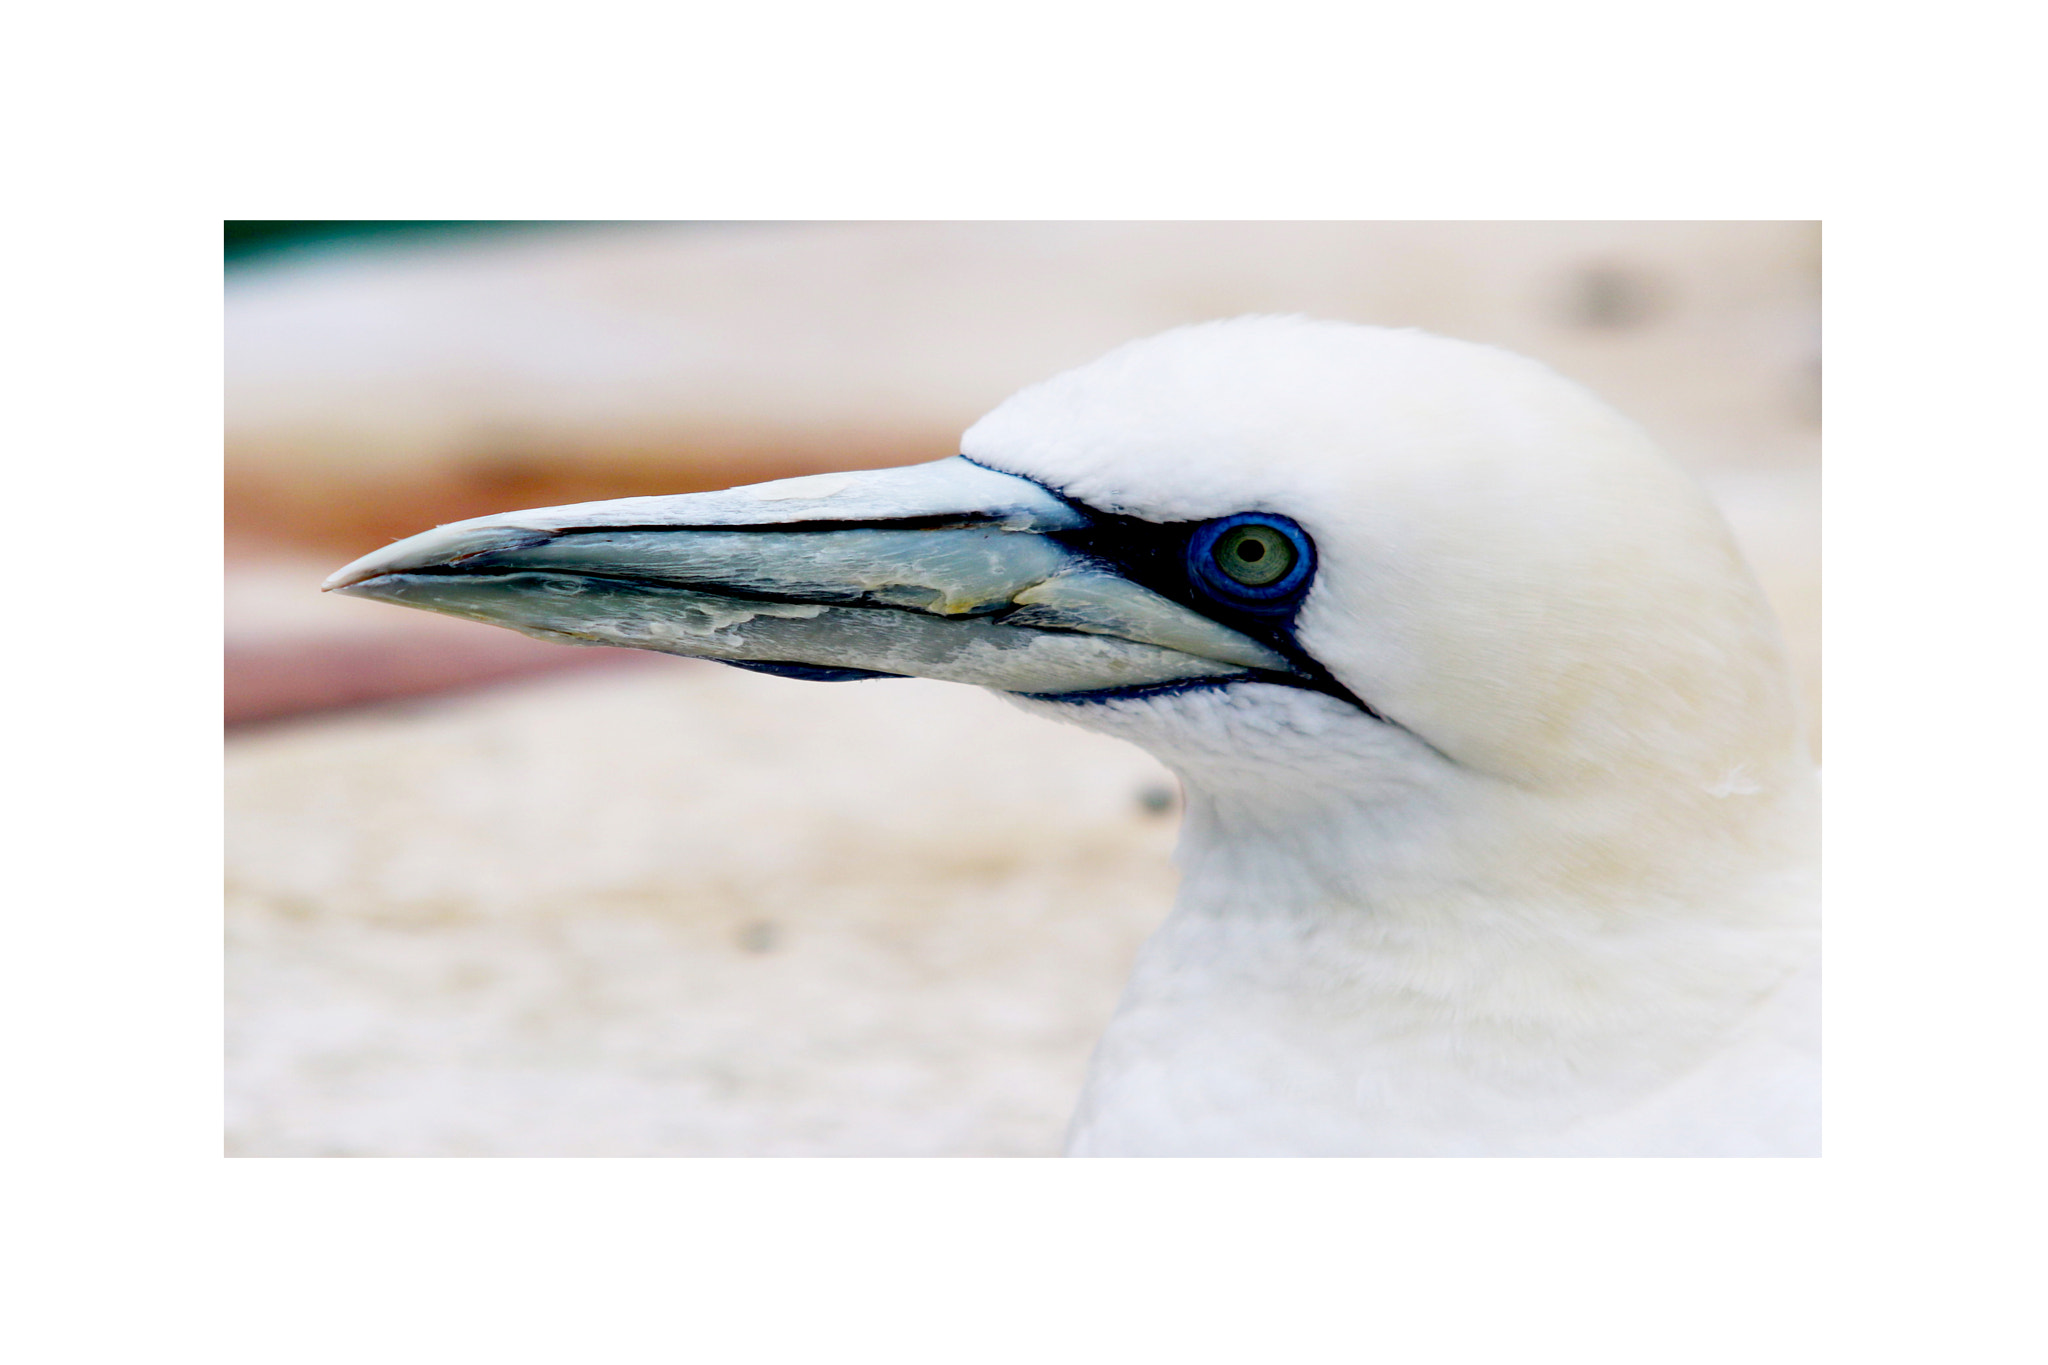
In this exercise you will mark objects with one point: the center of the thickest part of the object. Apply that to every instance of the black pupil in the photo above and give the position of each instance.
(1251, 551)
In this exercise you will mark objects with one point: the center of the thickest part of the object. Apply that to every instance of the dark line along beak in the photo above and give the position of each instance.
(944, 570)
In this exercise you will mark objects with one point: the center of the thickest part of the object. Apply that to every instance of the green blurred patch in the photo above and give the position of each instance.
(247, 239)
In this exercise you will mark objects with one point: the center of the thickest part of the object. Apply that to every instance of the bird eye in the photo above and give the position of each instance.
(1253, 561)
(1255, 556)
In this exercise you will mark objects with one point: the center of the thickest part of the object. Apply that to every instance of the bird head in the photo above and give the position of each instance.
(1290, 557)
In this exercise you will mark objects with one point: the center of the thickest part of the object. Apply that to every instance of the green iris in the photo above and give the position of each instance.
(1254, 555)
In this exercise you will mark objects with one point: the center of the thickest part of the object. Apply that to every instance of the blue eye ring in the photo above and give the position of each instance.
(1218, 546)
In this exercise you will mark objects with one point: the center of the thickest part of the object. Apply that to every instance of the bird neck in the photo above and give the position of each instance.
(1585, 914)
(1336, 865)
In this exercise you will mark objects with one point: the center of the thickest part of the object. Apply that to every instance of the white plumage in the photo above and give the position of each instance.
(1551, 890)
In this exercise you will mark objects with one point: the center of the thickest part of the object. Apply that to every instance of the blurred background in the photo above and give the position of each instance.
(488, 896)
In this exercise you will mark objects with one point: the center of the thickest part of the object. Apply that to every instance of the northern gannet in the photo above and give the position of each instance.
(1500, 832)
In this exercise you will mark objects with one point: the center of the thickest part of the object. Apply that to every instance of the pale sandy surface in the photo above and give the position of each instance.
(812, 335)
(681, 911)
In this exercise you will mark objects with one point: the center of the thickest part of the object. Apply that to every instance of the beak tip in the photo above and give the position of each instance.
(451, 544)
(346, 577)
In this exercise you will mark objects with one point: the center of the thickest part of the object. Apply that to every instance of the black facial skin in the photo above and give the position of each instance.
(1154, 555)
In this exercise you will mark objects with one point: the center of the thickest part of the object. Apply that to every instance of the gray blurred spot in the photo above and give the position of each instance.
(1806, 395)
(1156, 799)
(1614, 297)
(759, 937)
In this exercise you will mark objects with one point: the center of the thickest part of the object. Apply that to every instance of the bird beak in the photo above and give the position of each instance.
(943, 570)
